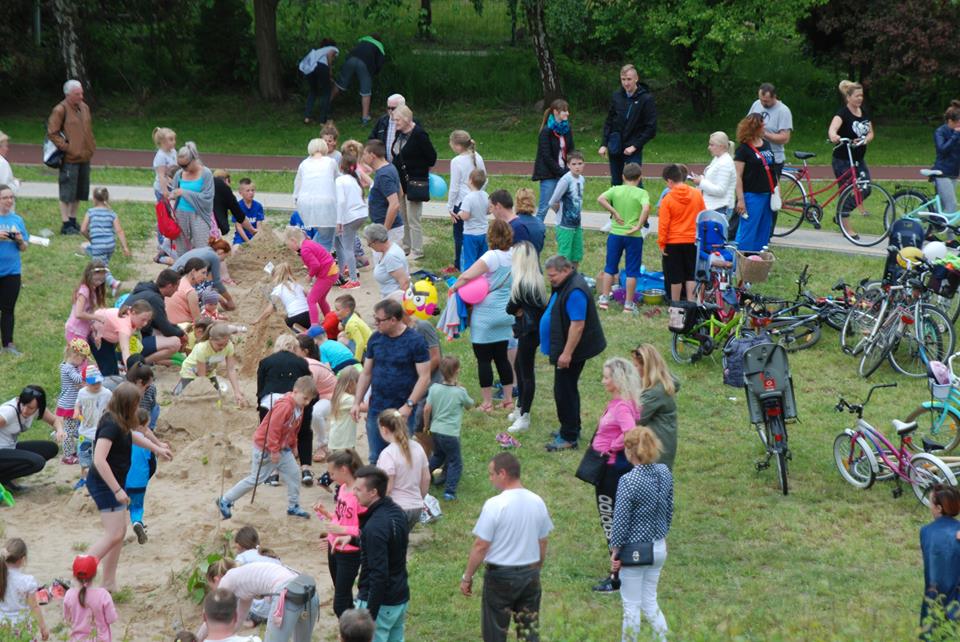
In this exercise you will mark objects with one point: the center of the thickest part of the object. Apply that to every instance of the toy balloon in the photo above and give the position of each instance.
(420, 300)
(474, 291)
(438, 186)
(934, 250)
(909, 257)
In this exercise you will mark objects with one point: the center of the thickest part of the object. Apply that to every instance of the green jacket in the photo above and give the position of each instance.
(658, 412)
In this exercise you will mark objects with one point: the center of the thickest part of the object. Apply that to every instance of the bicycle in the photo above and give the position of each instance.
(797, 325)
(863, 455)
(916, 203)
(769, 392)
(799, 199)
(706, 327)
(938, 420)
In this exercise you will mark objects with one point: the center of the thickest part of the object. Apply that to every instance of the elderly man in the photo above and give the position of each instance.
(570, 333)
(70, 129)
(385, 130)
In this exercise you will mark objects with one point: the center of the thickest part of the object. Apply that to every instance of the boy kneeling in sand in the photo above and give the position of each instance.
(274, 443)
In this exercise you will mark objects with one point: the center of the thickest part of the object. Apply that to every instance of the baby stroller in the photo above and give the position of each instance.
(903, 233)
(715, 267)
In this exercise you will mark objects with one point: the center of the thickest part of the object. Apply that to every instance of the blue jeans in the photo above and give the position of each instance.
(318, 85)
(474, 245)
(390, 620)
(446, 453)
(374, 441)
(547, 187)
(617, 162)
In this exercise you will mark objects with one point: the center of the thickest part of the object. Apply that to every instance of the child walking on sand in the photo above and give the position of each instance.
(443, 416)
(18, 593)
(87, 609)
(273, 445)
(70, 381)
(343, 427)
(101, 226)
(216, 348)
(92, 402)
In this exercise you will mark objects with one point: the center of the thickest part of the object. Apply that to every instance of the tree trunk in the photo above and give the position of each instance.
(425, 21)
(268, 53)
(67, 16)
(536, 23)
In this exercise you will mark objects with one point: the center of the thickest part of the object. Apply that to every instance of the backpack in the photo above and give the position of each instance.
(733, 357)
(166, 224)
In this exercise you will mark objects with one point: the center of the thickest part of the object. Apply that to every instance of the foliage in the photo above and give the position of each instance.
(227, 23)
(197, 580)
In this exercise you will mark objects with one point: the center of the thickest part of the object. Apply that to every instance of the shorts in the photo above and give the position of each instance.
(85, 452)
(616, 246)
(302, 319)
(74, 182)
(355, 66)
(149, 343)
(99, 253)
(103, 497)
(570, 243)
(679, 262)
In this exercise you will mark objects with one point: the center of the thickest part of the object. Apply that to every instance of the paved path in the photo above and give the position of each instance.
(802, 238)
(31, 155)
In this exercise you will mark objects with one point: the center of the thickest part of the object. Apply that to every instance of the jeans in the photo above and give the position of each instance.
(446, 453)
(511, 592)
(343, 243)
(457, 244)
(9, 293)
(298, 621)
(325, 236)
(318, 85)
(638, 590)
(390, 621)
(343, 566)
(547, 187)
(618, 161)
(947, 189)
(525, 366)
(287, 466)
(472, 248)
(567, 395)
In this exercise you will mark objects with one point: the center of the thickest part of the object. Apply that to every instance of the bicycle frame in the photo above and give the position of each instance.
(849, 176)
(873, 436)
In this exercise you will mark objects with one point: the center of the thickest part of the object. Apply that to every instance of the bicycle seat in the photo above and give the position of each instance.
(930, 446)
(931, 172)
(804, 155)
(903, 428)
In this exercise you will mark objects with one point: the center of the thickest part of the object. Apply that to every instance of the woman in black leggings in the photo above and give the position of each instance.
(13, 242)
(528, 300)
(26, 457)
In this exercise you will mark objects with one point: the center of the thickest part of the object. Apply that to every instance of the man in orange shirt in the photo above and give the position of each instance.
(677, 231)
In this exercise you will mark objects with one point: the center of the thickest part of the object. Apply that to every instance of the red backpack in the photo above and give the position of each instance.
(166, 224)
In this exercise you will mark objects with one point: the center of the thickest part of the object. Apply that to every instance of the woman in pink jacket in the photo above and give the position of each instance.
(622, 381)
(321, 266)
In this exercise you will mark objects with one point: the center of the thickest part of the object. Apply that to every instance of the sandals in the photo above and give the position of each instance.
(506, 440)
(506, 405)
(486, 407)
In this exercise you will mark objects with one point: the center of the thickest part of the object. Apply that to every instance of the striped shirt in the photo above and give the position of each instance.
(102, 240)
(70, 382)
(149, 398)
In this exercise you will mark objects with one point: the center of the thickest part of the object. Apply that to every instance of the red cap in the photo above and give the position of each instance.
(85, 567)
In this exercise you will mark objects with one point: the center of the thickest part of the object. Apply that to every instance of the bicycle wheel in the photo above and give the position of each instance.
(836, 316)
(796, 338)
(854, 460)
(926, 470)
(936, 422)
(930, 338)
(861, 317)
(794, 207)
(684, 347)
(908, 201)
(874, 353)
(874, 213)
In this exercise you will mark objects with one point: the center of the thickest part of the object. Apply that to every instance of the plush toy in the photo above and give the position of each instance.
(420, 300)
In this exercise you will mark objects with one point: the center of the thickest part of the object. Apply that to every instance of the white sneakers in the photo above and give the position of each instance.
(520, 424)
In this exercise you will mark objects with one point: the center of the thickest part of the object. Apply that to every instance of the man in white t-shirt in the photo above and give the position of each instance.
(220, 617)
(777, 122)
(512, 544)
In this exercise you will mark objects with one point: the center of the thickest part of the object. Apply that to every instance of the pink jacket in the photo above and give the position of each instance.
(347, 514)
(316, 258)
(617, 420)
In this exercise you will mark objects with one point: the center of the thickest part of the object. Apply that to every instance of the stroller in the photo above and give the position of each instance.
(903, 233)
(713, 255)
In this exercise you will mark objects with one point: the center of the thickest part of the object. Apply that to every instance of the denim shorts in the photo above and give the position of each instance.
(355, 66)
(85, 453)
(74, 182)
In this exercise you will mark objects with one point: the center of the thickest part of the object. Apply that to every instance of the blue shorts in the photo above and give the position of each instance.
(616, 246)
(103, 497)
(355, 67)
(149, 345)
(390, 621)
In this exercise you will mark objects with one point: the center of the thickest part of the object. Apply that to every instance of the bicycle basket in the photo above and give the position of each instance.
(683, 315)
(944, 281)
(755, 267)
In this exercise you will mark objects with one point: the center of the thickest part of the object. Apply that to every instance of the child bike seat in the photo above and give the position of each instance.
(903, 428)
(804, 155)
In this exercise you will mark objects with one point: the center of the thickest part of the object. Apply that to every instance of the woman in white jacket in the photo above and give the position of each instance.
(315, 194)
(719, 180)
(351, 214)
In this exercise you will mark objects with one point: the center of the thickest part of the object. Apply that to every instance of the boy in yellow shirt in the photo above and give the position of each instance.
(352, 327)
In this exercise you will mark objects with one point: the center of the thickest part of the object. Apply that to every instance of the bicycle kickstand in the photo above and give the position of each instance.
(897, 489)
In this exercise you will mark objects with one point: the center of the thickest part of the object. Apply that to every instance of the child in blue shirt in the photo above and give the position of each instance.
(569, 194)
(333, 353)
(252, 209)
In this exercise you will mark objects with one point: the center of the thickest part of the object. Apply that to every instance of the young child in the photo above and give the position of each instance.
(343, 427)
(364, 172)
(330, 134)
(288, 294)
(90, 296)
(92, 402)
(569, 195)
(473, 213)
(247, 544)
(207, 355)
(195, 333)
(465, 161)
(71, 379)
(251, 208)
(210, 305)
(629, 205)
(101, 226)
(351, 215)
(353, 329)
(87, 608)
(143, 463)
(677, 231)
(165, 160)
(333, 353)
(274, 443)
(443, 415)
(18, 592)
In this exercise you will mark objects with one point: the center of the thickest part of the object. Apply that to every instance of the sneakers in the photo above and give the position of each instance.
(273, 480)
(296, 511)
(449, 497)
(224, 507)
(350, 285)
(559, 443)
(81, 483)
(324, 481)
(609, 584)
(603, 302)
(629, 308)
(306, 477)
(520, 424)
(12, 349)
(69, 228)
(364, 120)
(141, 532)
(514, 414)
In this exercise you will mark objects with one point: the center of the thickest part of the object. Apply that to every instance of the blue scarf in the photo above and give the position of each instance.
(561, 128)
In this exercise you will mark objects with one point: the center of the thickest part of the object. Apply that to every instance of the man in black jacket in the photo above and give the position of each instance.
(161, 338)
(382, 586)
(385, 130)
(570, 334)
(364, 61)
(631, 123)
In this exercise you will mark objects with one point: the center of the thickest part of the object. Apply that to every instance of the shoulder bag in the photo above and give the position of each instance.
(418, 190)
(52, 155)
(592, 464)
(775, 201)
(636, 554)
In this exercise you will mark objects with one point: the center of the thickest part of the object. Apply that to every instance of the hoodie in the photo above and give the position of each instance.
(678, 215)
(149, 292)
(658, 412)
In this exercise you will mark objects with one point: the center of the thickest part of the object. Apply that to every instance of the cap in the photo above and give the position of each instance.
(93, 375)
(316, 331)
(210, 296)
(80, 346)
(85, 567)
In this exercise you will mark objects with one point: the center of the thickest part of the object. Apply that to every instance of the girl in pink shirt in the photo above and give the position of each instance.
(322, 268)
(89, 295)
(343, 560)
(112, 329)
(87, 609)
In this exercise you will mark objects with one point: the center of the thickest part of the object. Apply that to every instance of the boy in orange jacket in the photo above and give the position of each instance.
(274, 443)
(677, 231)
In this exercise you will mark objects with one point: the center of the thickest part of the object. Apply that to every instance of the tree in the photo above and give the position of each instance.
(67, 16)
(425, 20)
(537, 24)
(268, 52)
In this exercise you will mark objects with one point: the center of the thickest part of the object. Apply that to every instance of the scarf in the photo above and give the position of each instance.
(562, 128)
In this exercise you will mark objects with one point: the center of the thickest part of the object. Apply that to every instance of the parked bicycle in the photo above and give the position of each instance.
(863, 455)
(917, 203)
(938, 420)
(770, 401)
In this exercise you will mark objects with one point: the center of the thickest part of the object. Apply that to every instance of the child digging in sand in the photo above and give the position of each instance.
(216, 348)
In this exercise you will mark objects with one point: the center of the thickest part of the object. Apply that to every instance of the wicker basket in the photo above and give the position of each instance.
(753, 271)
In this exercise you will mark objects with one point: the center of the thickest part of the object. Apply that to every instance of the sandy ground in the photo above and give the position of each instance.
(211, 444)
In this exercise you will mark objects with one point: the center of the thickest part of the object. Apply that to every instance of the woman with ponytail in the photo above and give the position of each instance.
(947, 141)
(86, 608)
(852, 121)
(466, 161)
(18, 594)
(351, 214)
(555, 142)
(406, 465)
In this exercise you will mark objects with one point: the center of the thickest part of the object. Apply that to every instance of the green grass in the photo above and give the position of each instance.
(826, 562)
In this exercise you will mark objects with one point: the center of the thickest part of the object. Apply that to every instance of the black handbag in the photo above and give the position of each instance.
(636, 554)
(592, 465)
(418, 190)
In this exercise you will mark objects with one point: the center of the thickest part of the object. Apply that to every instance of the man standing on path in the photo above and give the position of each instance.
(385, 130)
(396, 369)
(383, 202)
(777, 123)
(382, 587)
(570, 333)
(70, 129)
(631, 123)
(511, 542)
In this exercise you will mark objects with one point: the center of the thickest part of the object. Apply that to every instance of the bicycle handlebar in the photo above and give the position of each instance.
(857, 409)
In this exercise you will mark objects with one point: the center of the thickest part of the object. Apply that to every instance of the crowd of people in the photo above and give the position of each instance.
(332, 372)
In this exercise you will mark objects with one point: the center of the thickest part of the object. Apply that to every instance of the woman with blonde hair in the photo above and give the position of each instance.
(718, 183)
(641, 521)
(622, 383)
(288, 294)
(753, 161)
(315, 193)
(406, 465)
(852, 121)
(192, 192)
(413, 156)
(658, 403)
(528, 301)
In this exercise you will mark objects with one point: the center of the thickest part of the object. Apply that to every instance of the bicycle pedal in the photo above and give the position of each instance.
(896, 492)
